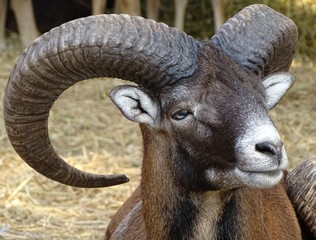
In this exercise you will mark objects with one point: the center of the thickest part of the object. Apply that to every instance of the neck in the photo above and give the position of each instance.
(170, 210)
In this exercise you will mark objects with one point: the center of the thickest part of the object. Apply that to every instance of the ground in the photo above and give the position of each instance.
(91, 134)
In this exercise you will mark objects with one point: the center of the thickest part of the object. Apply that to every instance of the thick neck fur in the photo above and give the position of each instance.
(171, 211)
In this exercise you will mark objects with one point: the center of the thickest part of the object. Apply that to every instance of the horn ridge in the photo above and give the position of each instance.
(122, 46)
(260, 39)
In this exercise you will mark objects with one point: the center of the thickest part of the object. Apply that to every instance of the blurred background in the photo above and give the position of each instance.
(90, 133)
(198, 19)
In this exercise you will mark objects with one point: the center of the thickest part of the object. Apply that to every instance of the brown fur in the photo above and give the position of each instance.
(136, 228)
(174, 200)
(261, 213)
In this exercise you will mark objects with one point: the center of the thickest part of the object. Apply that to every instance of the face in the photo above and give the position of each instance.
(216, 126)
(223, 132)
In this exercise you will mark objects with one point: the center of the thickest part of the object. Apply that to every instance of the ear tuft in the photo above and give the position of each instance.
(276, 86)
(135, 104)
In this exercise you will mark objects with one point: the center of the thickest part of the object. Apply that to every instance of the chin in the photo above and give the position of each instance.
(259, 179)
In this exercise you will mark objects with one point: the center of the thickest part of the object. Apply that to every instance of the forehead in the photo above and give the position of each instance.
(217, 75)
(177, 94)
(221, 88)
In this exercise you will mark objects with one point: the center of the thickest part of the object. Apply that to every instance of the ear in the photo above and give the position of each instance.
(135, 104)
(276, 86)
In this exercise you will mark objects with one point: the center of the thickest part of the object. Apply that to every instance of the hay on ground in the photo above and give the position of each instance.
(91, 134)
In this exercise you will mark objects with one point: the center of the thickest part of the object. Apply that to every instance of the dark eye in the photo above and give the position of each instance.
(181, 114)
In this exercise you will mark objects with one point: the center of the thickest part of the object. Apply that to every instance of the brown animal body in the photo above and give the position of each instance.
(238, 214)
(179, 206)
(213, 160)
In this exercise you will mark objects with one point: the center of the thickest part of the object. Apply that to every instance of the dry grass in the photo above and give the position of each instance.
(92, 135)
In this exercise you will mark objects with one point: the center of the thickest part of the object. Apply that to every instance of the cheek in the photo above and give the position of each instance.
(197, 135)
(220, 180)
(204, 133)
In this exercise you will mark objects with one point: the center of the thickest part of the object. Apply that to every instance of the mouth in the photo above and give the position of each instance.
(259, 179)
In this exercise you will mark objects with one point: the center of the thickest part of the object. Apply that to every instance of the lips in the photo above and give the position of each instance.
(260, 171)
(259, 179)
(262, 164)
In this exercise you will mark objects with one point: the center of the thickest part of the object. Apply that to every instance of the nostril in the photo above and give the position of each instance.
(267, 148)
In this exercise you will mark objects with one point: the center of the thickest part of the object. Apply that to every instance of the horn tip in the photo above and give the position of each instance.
(112, 180)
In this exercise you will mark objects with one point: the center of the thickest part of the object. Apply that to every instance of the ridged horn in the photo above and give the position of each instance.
(132, 48)
(259, 39)
(301, 188)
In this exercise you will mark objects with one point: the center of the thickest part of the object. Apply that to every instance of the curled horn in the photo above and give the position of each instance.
(301, 187)
(259, 39)
(148, 53)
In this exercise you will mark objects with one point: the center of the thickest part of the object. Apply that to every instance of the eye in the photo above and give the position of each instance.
(181, 114)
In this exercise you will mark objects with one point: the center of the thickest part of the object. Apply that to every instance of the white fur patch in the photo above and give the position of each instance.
(255, 168)
(135, 104)
(276, 86)
(259, 179)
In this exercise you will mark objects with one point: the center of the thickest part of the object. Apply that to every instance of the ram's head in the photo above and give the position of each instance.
(209, 100)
